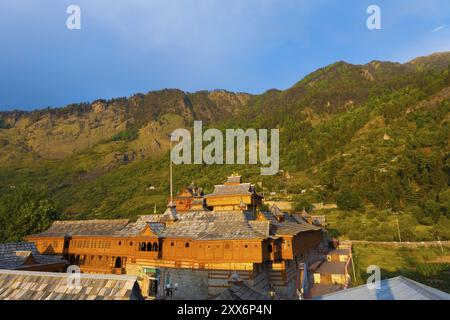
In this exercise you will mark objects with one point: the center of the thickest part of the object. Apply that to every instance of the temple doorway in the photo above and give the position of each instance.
(118, 263)
(153, 288)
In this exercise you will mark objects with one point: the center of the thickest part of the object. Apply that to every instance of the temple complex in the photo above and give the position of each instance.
(194, 248)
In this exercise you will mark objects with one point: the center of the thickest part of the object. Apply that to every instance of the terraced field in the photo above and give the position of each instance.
(421, 264)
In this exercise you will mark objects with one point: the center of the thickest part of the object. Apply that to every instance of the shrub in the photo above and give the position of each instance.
(347, 200)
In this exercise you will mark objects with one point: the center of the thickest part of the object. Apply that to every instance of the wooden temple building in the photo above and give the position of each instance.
(193, 248)
(190, 199)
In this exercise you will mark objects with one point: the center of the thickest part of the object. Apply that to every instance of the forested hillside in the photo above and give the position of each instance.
(372, 138)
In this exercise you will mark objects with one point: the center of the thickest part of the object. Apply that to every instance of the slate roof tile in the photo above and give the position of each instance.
(84, 227)
(26, 285)
(12, 257)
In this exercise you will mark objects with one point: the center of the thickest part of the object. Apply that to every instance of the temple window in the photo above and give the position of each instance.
(149, 246)
(187, 245)
(155, 246)
(120, 243)
(142, 246)
(270, 248)
(131, 243)
(172, 244)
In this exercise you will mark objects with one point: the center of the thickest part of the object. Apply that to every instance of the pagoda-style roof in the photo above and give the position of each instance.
(21, 255)
(191, 191)
(233, 186)
(241, 189)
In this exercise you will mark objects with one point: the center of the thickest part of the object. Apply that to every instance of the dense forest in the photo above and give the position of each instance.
(372, 139)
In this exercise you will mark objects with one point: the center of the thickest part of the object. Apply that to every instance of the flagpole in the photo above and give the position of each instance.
(170, 169)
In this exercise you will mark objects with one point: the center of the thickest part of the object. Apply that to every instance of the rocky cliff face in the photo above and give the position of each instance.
(56, 134)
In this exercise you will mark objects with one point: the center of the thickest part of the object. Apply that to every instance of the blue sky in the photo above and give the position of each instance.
(125, 47)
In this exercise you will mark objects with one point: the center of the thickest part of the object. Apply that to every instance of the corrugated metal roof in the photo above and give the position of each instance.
(31, 285)
(398, 288)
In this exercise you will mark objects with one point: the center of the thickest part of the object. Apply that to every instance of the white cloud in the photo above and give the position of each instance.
(437, 29)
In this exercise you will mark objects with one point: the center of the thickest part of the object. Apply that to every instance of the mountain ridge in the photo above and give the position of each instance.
(375, 133)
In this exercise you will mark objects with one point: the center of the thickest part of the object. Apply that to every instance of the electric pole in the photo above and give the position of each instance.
(398, 227)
